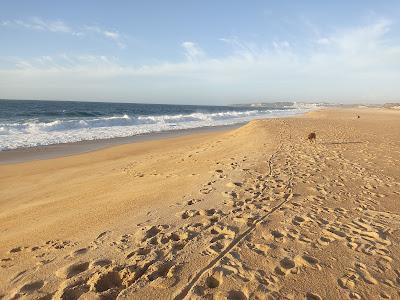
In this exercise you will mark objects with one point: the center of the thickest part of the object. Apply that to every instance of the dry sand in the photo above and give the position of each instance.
(252, 213)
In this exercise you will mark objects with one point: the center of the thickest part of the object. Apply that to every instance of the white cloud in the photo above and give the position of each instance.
(192, 51)
(323, 41)
(112, 35)
(281, 46)
(53, 26)
(58, 26)
(241, 48)
(360, 39)
(22, 64)
(358, 64)
(64, 63)
(39, 24)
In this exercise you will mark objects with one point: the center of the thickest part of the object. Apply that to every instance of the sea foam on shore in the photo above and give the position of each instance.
(35, 123)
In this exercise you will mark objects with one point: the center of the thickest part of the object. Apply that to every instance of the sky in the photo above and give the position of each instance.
(200, 52)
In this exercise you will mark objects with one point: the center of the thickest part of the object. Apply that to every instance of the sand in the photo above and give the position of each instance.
(252, 213)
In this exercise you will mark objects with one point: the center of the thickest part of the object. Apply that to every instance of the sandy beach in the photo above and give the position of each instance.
(256, 212)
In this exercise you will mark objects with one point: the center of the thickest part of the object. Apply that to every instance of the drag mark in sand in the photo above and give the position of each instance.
(186, 289)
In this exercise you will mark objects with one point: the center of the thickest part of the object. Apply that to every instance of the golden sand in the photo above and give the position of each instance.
(253, 213)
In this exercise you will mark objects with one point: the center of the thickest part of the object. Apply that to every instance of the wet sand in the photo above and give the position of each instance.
(67, 149)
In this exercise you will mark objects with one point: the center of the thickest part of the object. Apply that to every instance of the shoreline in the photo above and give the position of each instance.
(62, 129)
(43, 152)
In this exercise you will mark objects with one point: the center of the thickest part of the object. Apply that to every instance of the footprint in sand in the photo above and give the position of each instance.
(101, 262)
(364, 273)
(237, 295)
(161, 270)
(197, 227)
(58, 244)
(206, 190)
(72, 290)
(30, 287)
(101, 282)
(278, 236)
(72, 270)
(325, 240)
(142, 251)
(310, 260)
(349, 280)
(230, 195)
(189, 213)
(102, 235)
(15, 250)
(234, 184)
(299, 220)
(78, 252)
(154, 231)
(355, 296)
(285, 266)
(214, 280)
(193, 201)
(313, 296)
(221, 237)
(261, 249)
(29, 290)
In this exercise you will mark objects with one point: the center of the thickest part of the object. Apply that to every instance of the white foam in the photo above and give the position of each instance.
(34, 133)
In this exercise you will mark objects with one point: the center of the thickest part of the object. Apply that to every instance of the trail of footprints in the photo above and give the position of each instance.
(289, 241)
(320, 226)
(152, 258)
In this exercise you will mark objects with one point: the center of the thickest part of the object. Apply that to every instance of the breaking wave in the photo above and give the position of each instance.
(36, 131)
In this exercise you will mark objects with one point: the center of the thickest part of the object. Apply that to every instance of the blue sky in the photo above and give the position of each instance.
(200, 52)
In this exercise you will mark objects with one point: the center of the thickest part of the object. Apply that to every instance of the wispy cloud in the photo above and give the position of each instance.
(64, 62)
(58, 26)
(112, 35)
(242, 48)
(359, 63)
(39, 24)
(192, 51)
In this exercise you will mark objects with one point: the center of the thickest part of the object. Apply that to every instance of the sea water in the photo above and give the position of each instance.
(27, 123)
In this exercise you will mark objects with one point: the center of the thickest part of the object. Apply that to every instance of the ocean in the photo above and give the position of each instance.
(26, 123)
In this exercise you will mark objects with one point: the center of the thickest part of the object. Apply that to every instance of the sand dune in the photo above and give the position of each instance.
(253, 213)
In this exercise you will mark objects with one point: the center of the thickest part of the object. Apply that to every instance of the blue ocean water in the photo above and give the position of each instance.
(33, 123)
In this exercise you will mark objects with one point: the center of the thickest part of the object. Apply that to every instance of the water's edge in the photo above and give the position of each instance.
(35, 123)
(43, 152)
